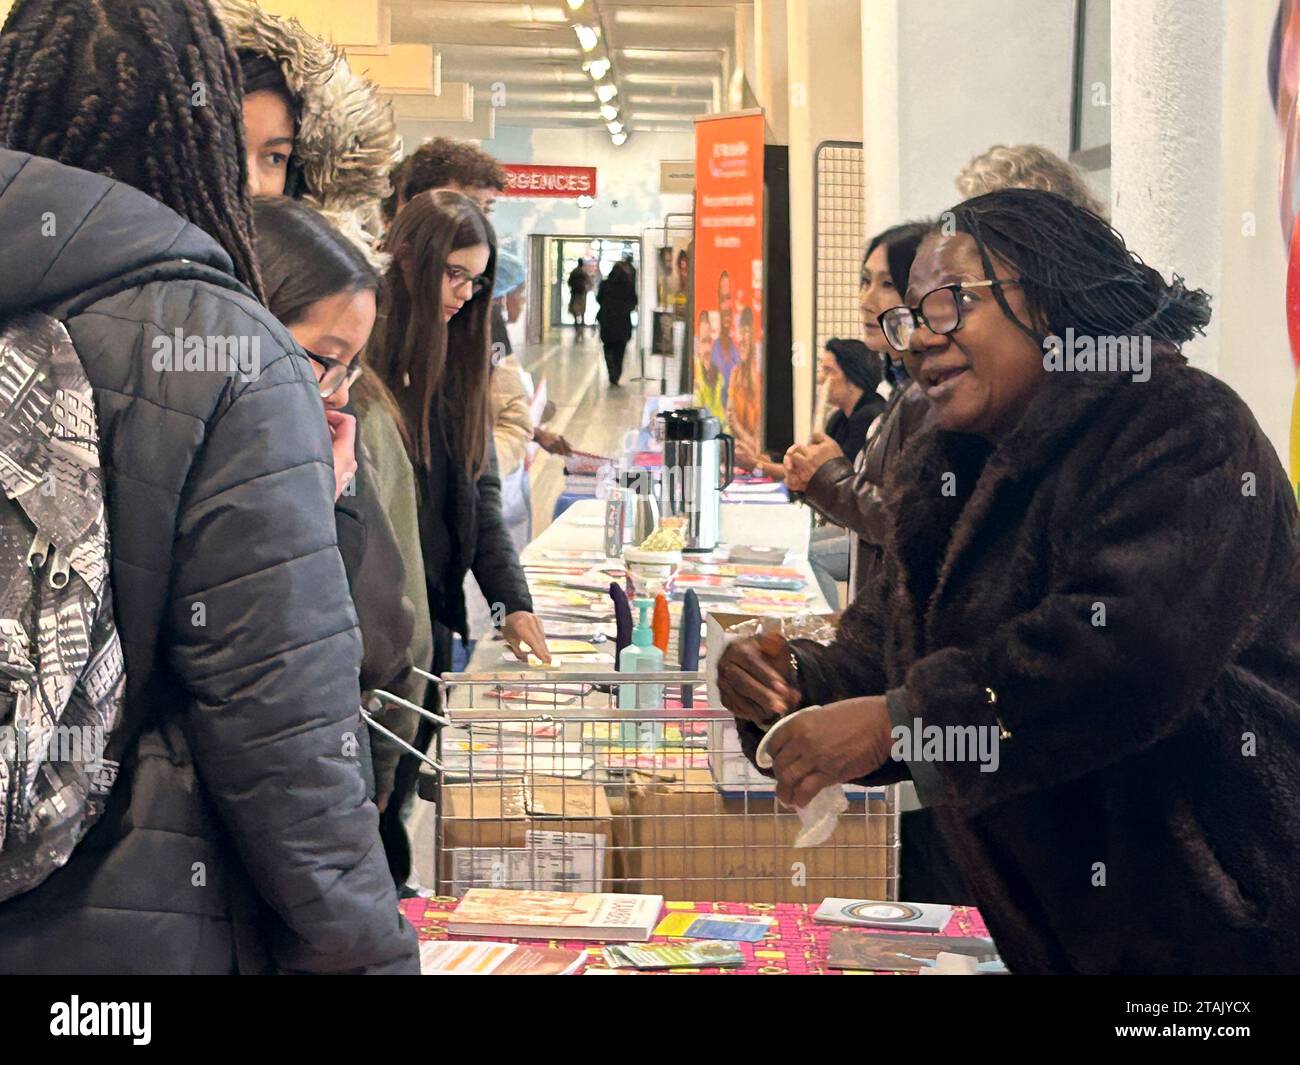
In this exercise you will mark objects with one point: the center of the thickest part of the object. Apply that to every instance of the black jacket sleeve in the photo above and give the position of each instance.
(496, 563)
(272, 677)
(851, 665)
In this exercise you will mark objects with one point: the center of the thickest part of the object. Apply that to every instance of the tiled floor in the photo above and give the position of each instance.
(591, 415)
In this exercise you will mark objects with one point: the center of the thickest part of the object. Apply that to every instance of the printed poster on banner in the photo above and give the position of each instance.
(728, 311)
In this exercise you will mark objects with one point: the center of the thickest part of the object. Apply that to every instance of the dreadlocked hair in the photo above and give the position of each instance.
(147, 92)
(1076, 271)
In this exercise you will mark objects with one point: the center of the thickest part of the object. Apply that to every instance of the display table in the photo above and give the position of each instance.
(796, 945)
(582, 528)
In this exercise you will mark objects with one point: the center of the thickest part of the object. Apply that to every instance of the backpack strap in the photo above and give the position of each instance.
(165, 270)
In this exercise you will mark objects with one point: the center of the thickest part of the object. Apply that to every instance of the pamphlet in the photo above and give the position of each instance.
(724, 926)
(903, 916)
(706, 954)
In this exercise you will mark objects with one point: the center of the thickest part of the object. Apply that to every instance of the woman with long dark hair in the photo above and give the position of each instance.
(234, 835)
(1086, 651)
(841, 490)
(322, 288)
(432, 350)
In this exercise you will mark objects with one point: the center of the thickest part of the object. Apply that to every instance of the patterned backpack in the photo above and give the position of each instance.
(62, 676)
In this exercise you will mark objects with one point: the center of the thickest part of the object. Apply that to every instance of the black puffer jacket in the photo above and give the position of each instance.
(1123, 573)
(238, 836)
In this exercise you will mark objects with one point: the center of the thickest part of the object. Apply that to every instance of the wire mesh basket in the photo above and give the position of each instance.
(542, 781)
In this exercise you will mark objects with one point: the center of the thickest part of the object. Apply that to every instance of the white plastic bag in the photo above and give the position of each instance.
(819, 818)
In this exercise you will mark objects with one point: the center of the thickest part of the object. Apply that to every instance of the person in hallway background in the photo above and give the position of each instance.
(579, 285)
(324, 291)
(218, 491)
(617, 299)
(1070, 599)
(315, 130)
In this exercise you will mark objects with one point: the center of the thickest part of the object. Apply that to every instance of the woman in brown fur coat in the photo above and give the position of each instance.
(1085, 648)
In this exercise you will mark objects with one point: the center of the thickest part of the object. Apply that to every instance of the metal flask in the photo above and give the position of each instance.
(699, 460)
(641, 508)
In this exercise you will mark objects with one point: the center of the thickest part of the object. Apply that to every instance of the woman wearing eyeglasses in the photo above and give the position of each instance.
(320, 285)
(432, 350)
(1088, 659)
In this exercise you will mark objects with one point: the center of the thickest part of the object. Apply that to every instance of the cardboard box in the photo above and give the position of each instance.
(682, 839)
(532, 832)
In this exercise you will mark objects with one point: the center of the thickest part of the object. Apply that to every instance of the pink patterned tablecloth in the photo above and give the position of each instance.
(796, 944)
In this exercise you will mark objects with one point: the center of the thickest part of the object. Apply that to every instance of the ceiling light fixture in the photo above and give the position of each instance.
(608, 112)
(606, 92)
(587, 37)
(618, 139)
(614, 127)
(597, 68)
(576, 5)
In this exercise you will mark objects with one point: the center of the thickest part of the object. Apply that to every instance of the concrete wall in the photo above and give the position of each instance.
(943, 82)
(824, 95)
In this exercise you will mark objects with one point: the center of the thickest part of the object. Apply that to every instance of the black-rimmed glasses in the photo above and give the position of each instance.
(334, 374)
(458, 276)
(939, 310)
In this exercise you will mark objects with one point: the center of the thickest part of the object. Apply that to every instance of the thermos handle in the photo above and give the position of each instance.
(730, 465)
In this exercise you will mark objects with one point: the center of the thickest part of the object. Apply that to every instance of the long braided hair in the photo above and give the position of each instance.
(147, 92)
(1076, 271)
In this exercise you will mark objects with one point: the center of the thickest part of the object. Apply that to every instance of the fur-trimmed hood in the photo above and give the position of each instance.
(346, 142)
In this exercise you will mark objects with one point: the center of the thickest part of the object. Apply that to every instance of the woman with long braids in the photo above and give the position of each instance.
(237, 836)
(1085, 650)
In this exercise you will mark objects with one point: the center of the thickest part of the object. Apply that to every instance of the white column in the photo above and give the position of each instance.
(1167, 150)
(881, 128)
(825, 71)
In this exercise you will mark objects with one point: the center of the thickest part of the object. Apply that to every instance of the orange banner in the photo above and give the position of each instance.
(728, 322)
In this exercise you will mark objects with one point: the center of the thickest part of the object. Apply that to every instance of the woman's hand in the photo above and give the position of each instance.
(835, 744)
(794, 480)
(524, 630)
(755, 679)
(803, 460)
(343, 442)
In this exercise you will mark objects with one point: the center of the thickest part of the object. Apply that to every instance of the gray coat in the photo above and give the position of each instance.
(238, 836)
